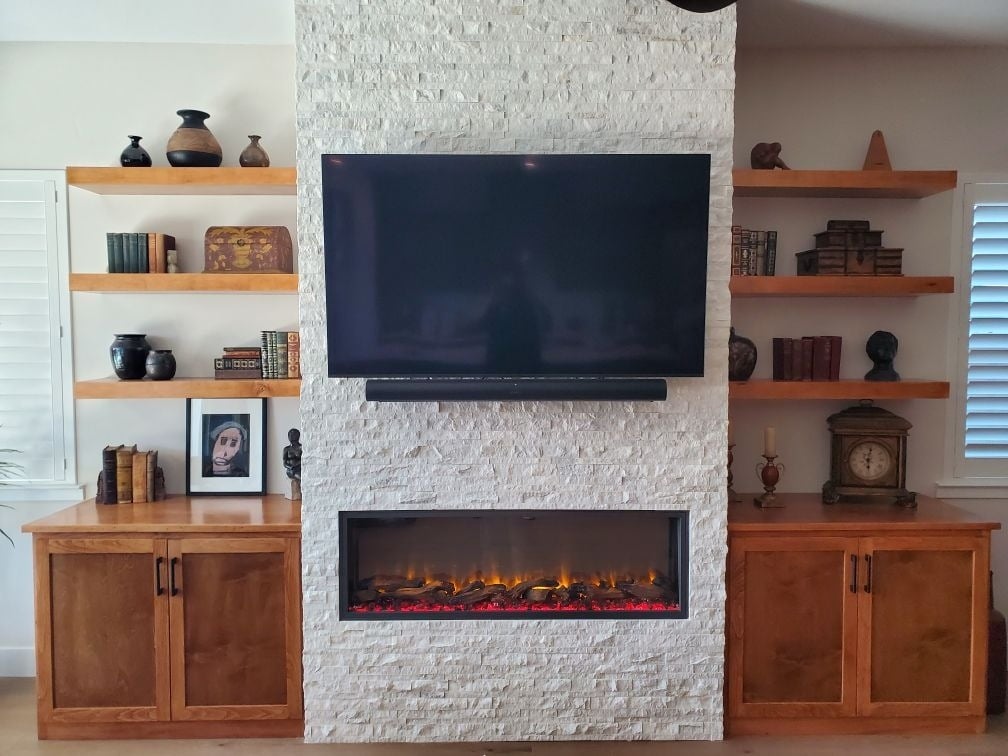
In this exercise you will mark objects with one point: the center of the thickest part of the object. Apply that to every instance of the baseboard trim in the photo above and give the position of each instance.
(17, 662)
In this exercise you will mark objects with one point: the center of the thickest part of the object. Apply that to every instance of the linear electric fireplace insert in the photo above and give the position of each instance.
(513, 564)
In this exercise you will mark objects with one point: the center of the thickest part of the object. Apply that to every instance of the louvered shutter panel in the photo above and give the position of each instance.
(31, 402)
(987, 368)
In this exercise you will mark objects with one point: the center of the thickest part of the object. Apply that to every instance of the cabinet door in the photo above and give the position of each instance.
(235, 628)
(923, 627)
(792, 626)
(102, 630)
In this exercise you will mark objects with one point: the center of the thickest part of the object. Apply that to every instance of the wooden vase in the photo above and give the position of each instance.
(192, 145)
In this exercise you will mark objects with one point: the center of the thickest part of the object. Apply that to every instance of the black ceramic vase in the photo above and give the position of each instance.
(129, 355)
(741, 357)
(160, 365)
(192, 145)
(253, 156)
(135, 156)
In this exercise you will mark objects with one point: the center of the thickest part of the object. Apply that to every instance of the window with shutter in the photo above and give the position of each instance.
(35, 408)
(983, 408)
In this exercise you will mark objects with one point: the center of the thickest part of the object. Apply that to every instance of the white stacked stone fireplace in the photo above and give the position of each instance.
(513, 76)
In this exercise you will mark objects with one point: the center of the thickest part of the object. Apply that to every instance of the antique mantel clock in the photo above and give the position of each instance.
(868, 456)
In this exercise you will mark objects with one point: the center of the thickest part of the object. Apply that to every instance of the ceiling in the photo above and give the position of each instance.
(761, 23)
(872, 23)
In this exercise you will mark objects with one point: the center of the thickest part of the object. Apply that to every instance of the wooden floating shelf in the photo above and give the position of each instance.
(884, 184)
(182, 388)
(162, 180)
(262, 283)
(839, 286)
(767, 389)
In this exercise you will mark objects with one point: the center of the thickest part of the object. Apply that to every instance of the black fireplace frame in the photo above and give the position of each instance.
(678, 564)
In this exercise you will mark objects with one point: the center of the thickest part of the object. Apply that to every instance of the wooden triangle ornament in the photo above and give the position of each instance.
(877, 158)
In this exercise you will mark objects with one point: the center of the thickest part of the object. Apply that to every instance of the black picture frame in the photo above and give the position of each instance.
(225, 447)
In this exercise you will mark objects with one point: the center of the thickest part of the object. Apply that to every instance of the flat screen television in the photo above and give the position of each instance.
(515, 266)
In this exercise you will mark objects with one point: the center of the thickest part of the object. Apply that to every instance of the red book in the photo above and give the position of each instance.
(821, 350)
(835, 343)
(807, 351)
(796, 361)
(781, 359)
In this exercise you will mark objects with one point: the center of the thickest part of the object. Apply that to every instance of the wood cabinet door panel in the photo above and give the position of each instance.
(234, 646)
(793, 627)
(107, 630)
(919, 635)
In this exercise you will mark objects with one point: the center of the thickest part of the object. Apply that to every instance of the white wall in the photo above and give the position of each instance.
(938, 109)
(73, 104)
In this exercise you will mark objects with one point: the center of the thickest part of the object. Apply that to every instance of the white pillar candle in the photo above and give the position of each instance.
(770, 442)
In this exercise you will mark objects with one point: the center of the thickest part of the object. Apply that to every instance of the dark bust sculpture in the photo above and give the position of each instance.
(881, 348)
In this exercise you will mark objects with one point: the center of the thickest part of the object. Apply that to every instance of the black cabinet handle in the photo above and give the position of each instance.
(158, 588)
(853, 573)
(867, 585)
(171, 576)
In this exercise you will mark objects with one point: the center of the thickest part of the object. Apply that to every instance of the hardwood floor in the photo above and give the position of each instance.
(17, 738)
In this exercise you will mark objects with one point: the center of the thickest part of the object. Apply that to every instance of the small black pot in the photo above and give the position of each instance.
(160, 365)
(135, 156)
(129, 355)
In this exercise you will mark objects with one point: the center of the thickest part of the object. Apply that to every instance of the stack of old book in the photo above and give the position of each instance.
(810, 358)
(753, 253)
(129, 475)
(145, 252)
(281, 354)
(239, 362)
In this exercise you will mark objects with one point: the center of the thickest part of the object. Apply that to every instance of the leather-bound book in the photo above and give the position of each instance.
(124, 474)
(108, 494)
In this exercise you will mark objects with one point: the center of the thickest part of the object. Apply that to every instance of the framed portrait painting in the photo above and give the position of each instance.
(225, 446)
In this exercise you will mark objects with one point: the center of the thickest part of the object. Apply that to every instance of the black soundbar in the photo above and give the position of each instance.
(515, 389)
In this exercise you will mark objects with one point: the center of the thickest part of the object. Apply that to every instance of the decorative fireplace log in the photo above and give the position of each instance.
(365, 596)
(390, 582)
(518, 592)
(480, 594)
(424, 591)
(644, 591)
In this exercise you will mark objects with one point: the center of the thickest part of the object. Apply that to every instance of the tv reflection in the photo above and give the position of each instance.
(514, 323)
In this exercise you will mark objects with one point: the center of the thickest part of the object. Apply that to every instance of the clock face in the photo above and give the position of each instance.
(870, 460)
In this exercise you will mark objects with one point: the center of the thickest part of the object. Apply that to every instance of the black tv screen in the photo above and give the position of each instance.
(515, 265)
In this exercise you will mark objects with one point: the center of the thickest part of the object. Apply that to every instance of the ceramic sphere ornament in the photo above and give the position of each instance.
(701, 6)
(192, 145)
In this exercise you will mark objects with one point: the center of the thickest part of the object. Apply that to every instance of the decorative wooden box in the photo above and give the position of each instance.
(872, 261)
(248, 249)
(848, 239)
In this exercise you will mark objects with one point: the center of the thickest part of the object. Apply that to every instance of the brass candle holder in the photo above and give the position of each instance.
(769, 473)
(733, 498)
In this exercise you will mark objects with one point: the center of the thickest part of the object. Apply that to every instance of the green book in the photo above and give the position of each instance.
(118, 253)
(142, 264)
(132, 254)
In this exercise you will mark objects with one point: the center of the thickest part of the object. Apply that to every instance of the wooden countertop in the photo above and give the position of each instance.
(177, 514)
(806, 512)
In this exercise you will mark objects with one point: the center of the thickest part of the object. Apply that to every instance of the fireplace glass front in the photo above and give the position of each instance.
(513, 564)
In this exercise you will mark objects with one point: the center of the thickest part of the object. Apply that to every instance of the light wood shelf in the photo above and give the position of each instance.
(907, 389)
(840, 286)
(878, 184)
(262, 283)
(182, 388)
(162, 180)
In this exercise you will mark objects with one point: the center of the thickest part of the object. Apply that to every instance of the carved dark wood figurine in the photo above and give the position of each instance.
(767, 155)
(292, 462)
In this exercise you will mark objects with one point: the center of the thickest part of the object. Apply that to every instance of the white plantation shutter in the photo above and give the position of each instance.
(35, 412)
(984, 430)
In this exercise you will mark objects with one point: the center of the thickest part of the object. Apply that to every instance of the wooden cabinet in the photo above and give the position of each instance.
(172, 619)
(856, 618)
